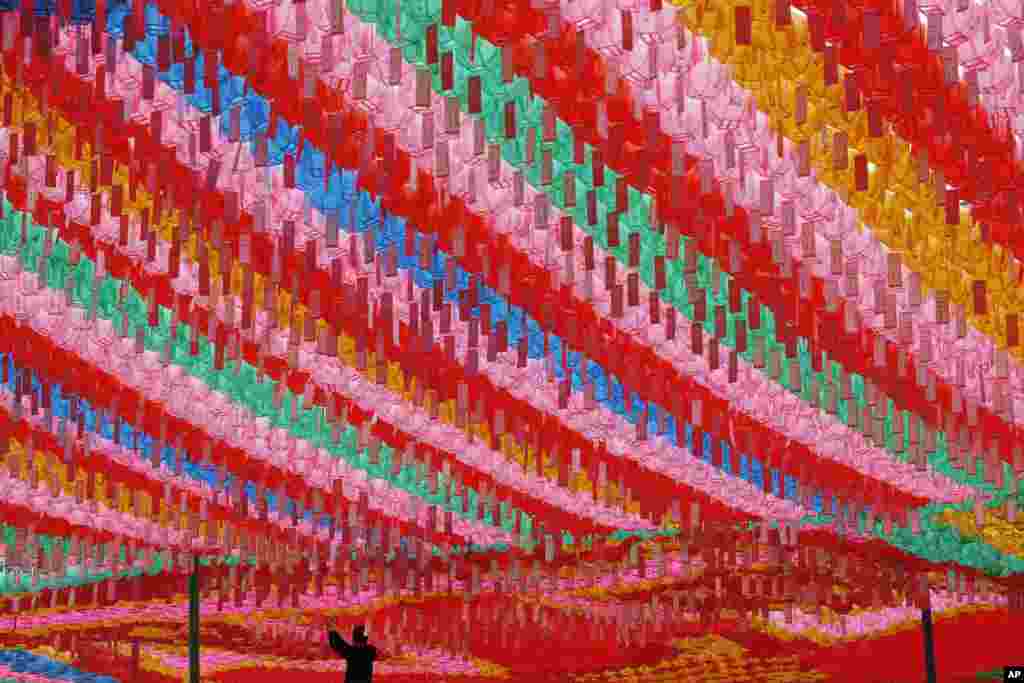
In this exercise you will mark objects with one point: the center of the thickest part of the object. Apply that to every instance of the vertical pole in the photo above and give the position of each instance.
(929, 645)
(193, 623)
(136, 655)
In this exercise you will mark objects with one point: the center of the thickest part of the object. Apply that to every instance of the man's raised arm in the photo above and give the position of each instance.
(338, 643)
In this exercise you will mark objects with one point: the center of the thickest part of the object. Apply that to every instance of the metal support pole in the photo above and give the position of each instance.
(193, 623)
(136, 654)
(929, 645)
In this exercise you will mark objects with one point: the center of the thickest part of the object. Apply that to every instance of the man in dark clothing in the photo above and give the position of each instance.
(359, 656)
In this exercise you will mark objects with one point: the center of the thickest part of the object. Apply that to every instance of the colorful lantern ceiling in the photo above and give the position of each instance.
(532, 334)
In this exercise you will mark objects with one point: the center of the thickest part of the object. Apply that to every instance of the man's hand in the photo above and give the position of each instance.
(337, 643)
